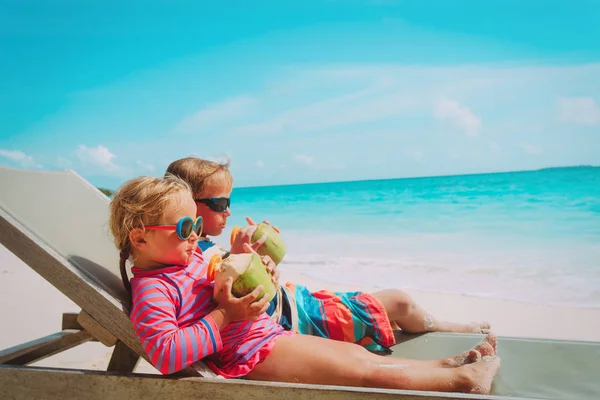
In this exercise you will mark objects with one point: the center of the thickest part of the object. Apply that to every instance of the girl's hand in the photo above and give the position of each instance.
(269, 263)
(242, 309)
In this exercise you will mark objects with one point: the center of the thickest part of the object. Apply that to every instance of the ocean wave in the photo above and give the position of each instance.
(531, 284)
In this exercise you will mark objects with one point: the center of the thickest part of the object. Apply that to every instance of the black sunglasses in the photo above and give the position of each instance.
(217, 204)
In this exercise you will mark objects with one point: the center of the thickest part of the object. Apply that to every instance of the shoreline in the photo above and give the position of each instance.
(328, 284)
(508, 317)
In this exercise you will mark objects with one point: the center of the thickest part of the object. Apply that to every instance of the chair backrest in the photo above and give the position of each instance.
(70, 216)
(56, 223)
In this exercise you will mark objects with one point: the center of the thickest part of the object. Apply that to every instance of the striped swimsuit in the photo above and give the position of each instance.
(170, 316)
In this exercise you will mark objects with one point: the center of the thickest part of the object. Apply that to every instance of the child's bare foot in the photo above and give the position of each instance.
(488, 346)
(467, 357)
(480, 375)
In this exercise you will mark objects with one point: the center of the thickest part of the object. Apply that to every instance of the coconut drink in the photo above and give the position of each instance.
(247, 271)
(274, 246)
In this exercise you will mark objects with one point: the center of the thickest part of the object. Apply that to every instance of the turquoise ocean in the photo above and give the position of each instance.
(531, 236)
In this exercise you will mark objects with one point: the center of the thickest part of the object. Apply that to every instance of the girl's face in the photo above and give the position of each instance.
(214, 221)
(165, 248)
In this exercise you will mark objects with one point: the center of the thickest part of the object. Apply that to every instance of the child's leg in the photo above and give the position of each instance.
(309, 359)
(486, 347)
(411, 318)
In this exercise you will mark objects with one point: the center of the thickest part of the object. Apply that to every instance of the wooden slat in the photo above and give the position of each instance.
(123, 359)
(44, 347)
(60, 384)
(69, 321)
(96, 330)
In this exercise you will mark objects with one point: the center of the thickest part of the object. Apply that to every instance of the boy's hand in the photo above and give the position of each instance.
(269, 263)
(242, 309)
(251, 222)
(244, 236)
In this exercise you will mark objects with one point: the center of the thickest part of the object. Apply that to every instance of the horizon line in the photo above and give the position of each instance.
(419, 177)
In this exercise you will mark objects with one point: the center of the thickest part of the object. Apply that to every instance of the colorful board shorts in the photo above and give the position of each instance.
(354, 317)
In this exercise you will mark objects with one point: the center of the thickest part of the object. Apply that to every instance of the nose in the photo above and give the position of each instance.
(228, 212)
(193, 237)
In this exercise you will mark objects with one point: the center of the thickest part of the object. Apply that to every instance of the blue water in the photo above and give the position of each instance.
(530, 236)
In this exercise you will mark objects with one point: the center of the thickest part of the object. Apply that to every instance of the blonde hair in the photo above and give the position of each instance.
(202, 174)
(137, 203)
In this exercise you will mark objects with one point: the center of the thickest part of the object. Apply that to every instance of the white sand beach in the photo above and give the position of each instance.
(31, 308)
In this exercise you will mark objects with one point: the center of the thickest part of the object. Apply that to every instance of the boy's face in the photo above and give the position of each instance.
(213, 221)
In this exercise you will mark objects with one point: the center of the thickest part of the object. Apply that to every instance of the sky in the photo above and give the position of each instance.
(294, 92)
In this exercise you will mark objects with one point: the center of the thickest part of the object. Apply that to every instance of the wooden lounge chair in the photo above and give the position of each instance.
(56, 222)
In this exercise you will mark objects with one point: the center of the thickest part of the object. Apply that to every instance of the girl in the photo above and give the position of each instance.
(181, 317)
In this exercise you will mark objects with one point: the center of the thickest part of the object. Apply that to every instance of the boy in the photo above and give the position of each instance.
(357, 317)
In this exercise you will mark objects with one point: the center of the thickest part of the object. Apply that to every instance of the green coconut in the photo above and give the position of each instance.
(248, 272)
(273, 246)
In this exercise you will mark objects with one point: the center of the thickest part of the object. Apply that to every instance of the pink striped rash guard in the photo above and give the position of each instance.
(170, 316)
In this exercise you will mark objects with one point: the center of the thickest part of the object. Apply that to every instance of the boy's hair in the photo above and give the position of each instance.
(137, 203)
(202, 174)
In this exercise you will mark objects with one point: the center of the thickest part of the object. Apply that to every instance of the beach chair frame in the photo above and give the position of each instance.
(102, 317)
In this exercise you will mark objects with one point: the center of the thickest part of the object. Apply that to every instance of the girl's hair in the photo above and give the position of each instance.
(202, 174)
(137, 203)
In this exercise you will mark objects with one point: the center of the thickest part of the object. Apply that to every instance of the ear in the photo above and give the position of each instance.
(137, 237)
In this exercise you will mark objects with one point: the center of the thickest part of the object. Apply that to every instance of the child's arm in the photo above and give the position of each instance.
(172, 348)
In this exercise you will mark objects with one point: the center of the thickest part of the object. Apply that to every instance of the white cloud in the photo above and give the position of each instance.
(144, 166)
(418, 155)
(374, 103)
(531, 149)
(359, 109)
(331, 164)
(459, 115)
(98, 156)
(579, 110)
(303, 159)
(216, 113)
(260, 164)
(64, 163)
(20, 158)
(495, 147)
